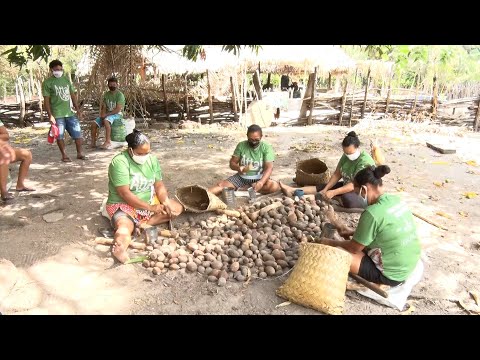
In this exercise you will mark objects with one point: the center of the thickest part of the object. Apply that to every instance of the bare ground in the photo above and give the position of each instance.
(59, 270)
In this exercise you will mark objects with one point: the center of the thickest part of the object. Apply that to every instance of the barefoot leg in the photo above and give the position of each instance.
(122, 238)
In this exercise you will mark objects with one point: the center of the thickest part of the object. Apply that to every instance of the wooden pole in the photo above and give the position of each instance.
(306, 97)
(353, 96)
(477, 118)
(388, 94)
(5, 93)
(17, 97)
(366, 94)
(434, 97)
(329, 81)
(234, 102)
(210, 104)
(21, 118)
(256, 84)
(269, 84)
(344, 100)
(416, 93)
(187, 105)
(30, 87)
(259, 71)
(40, 98)
(165, 99)
(312, 98)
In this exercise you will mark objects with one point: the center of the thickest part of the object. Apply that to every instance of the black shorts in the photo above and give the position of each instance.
(370, 272)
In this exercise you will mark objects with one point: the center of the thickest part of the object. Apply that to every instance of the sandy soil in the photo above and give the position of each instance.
(59, 270)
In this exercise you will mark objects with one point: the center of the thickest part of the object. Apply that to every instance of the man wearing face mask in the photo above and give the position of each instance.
(253, 161)
(352, 161)
(57, 91)
(110, 111)
(385, 246)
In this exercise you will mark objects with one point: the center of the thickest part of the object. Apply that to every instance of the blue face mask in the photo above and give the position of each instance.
(362, 199)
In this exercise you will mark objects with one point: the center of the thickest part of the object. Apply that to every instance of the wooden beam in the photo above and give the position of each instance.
(40, 98)
(344, 100)
(257, 85)
(353, 96)
(312, 99)
(366, 94)
(165, 99)
(210, 104)
(388, 94)
(434, 96)
(234, 101)
(21, 118)
(187, 105)
(477, 118)
(329, 81)
(306, 97)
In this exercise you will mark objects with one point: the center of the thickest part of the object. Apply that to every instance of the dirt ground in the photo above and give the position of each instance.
(59, 270)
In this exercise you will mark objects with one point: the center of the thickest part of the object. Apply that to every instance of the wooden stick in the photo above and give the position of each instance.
(344, 99)
(429, 221)
(434, 97)
(388, 93)
(353, 97)
(366, 94)
(312, 100)
(21, 118)
(210, 105)
(232, 213)
(134, 245)
(165, 100)
(234, 102)
(369, 285)
(257, 85)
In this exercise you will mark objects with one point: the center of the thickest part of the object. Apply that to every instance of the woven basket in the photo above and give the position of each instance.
(312, 172)
(319, 278)
(197, 199)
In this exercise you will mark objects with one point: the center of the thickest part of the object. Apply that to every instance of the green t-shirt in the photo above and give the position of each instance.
(350, 168)
(59, 90)
(388, 225)
(112, 99)
(1, 123)
(256, 157)
(124, 171)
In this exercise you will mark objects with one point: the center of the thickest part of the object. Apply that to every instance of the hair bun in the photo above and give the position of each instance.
(381, 171)
(353, 134)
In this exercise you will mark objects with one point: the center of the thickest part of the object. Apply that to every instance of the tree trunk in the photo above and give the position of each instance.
(312, 98)
(344, 100)
(366, 94)
(40, 98)
(210, 104)
(21, 118)
(17, 97)
(477, 118)
(416, 94)
(5, 93)
(353, 96)
(257, 85)
(187, 105)
(30, 87)
(269, 84)
(306, 97)
(388, 94)
(165, 100)
(234, 102)
(329, 81)
(434, 97)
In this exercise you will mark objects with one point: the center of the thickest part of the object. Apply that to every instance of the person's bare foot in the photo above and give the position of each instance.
(120, 252)
(107, 145)
(93, 146)
(286, 190)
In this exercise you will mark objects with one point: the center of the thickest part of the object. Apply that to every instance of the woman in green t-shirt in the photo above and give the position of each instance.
(352, 161)
(136, 193)
(385, 247)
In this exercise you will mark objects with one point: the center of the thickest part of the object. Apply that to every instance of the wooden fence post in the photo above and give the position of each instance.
(256, 84)
(477, 118)
(187, 105)
(344, 99)
(234, 101)
(434, 97)
(21, 118)
(312, 98)
(366, 94)
(165, 99)
(353, 96)
(388, 94)
(210, 104)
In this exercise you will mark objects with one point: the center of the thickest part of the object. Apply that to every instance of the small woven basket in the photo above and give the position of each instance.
(197, 199)
(312, 172)
(319, 278)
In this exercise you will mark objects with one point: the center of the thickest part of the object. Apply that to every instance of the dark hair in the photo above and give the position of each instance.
(136, 138)
(371, 175)
(254, 128)
(351, 139)
(112, 79)
(54, 63)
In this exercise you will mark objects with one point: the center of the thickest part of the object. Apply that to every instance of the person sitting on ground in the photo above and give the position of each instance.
(136, 193)
(110, 111)
(6, 152)
(385, 246)
(253, 161)
(57, 91)
(352, 161)
(17, 154)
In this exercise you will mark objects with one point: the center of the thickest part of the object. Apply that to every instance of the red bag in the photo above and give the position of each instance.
(53, 133)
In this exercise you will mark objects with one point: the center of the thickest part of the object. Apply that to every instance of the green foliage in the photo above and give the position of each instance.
(192, 52)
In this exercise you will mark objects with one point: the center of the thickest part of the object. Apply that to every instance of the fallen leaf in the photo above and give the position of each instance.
(438, 183)
(286, 303)
(440, 163)
(470, 194)
(441, 213)
(210, 146)
(474, 295)
(448, 181)
(471, 308)
(463, 213)
(410, 309)
(471, 163)
(400, 189)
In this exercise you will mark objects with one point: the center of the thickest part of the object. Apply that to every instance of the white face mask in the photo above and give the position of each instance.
(363, 200)
(57, 73)
(353, 156)
(139, 159)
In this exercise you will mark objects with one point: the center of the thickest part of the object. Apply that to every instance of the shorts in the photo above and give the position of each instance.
(137, 216)
(349, 200)
(71, 124)
(370, 272)
(239, 182)
(109, 118)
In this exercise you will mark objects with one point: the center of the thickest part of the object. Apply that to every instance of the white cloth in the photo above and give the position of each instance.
(103, 208)
(397, 296)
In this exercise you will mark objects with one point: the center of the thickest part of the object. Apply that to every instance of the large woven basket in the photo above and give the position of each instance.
(319, 278)
(197, 199)
(312, 172)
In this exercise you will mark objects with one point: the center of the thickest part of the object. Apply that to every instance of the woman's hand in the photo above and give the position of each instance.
(258, 186)
(159, 209)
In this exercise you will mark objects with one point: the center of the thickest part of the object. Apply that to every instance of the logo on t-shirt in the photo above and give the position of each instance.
(111, 105)
(62, 91)
(140, 184)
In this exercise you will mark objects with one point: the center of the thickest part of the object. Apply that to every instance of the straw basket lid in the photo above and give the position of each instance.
(195, 198)
(319, 278)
